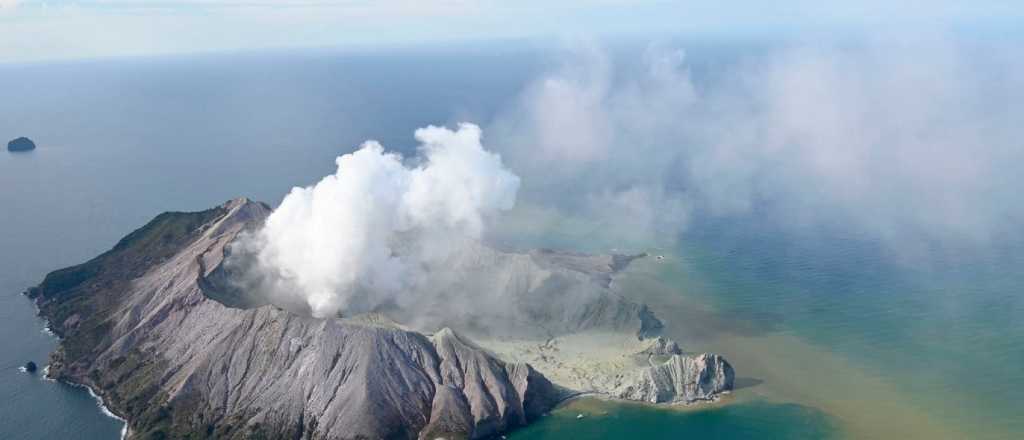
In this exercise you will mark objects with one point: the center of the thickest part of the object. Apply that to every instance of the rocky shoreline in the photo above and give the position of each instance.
(104, 407)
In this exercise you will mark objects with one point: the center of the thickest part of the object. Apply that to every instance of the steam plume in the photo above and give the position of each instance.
(350, 242)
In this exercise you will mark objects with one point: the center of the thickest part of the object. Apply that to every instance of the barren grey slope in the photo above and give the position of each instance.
(535, 294)
(138, 328)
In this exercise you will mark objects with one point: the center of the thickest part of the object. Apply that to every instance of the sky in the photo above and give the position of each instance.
(39, 30)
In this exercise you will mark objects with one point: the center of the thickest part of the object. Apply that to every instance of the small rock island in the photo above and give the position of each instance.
(21, 144)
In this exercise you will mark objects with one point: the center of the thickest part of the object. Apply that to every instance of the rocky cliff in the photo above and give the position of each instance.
(685, 379)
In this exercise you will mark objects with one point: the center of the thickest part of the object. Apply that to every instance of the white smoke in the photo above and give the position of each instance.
(358, 238)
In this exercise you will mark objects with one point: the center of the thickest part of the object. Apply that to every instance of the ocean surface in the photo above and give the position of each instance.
(831, 334)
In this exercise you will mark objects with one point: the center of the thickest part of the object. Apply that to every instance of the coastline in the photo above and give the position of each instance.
(99, 399)
(723, 399)
(99, 402)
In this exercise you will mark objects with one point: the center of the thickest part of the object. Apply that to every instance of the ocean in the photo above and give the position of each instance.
(831, 335)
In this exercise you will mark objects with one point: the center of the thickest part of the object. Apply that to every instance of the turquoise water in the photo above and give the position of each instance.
(740, 421)
(943, 329)
(833, 335)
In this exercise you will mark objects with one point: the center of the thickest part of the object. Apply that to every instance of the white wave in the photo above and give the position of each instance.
(46, 374)
(103, 407)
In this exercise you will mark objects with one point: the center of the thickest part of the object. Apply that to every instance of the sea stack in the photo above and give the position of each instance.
(21, 144)
(30, 367)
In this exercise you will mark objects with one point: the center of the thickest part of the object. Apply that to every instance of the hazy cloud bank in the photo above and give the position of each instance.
(908, 143)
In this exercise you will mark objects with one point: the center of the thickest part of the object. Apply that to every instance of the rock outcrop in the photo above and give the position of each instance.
(138, 328)
(21, 144)
(681, 378)
(498, 396)
(661, 346)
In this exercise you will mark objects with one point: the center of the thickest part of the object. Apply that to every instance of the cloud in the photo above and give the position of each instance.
(910, 142)
(357, 239)
(901, 142)
(612, 137)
